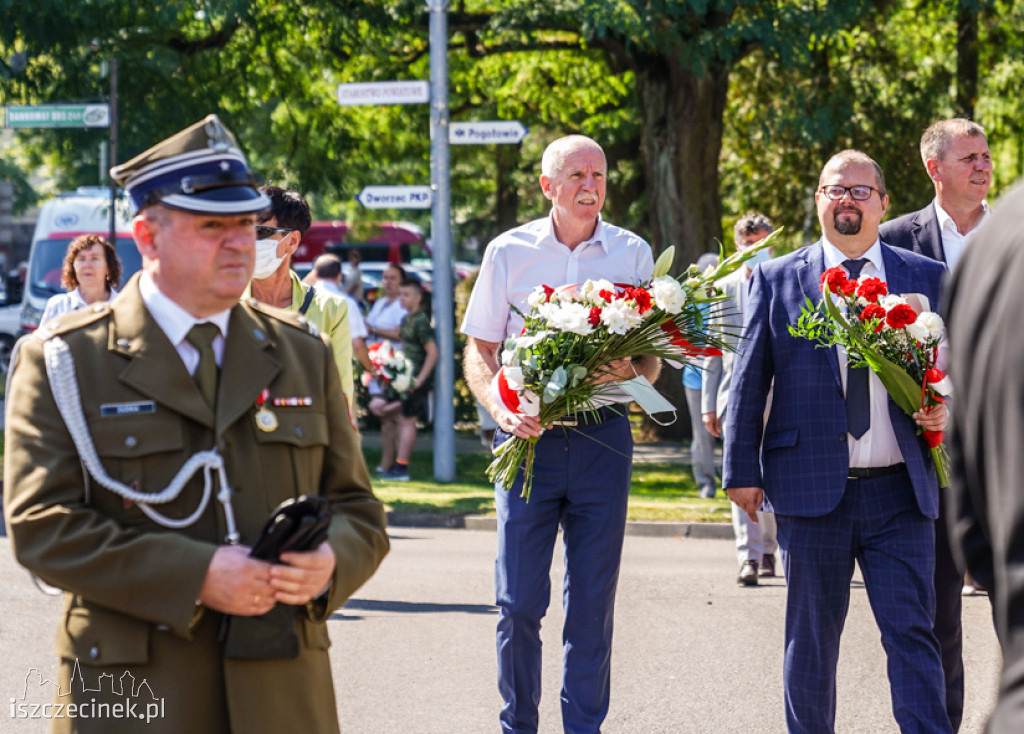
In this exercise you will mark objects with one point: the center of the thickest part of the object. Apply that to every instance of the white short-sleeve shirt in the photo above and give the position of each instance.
(530, 255)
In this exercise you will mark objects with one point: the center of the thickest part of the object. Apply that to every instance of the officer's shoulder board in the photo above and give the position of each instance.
(73, 320)
(295, 320)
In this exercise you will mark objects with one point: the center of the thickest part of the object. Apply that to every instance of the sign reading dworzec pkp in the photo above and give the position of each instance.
(395, 197)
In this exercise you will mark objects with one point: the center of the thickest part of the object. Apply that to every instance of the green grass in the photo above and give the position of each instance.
(662, 491)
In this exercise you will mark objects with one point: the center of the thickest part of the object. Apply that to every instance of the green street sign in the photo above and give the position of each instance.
(58, 115)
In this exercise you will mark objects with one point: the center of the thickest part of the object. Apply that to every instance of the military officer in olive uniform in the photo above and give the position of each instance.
(141, 461)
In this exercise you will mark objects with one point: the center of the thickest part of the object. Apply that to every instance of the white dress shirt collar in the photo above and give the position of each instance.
(598, 238)
(946, 221)
(835, 258)
(176, 321)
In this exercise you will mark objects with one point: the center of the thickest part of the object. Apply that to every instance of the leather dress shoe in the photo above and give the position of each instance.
(748, 574)
(767, 565)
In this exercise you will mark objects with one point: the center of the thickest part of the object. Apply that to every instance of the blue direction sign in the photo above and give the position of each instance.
(395, 197)
(486, 132)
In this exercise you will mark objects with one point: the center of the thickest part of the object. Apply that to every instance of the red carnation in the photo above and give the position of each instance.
(641, 297)
(595, 317)
(900, 315)
(836, 279)
(871, 289)
(934, 375)
(548, 291)
(872, 311)
(933, 438)
(606, 294)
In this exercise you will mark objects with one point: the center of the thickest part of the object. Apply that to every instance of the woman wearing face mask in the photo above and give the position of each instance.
(274, 282)
(91, 274)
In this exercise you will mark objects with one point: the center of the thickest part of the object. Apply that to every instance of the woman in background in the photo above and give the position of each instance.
(91, 274)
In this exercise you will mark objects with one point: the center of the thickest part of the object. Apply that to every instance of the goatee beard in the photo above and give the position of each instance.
(848, 226)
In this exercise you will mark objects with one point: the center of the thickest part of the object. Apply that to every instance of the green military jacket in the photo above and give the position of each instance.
(130, 584)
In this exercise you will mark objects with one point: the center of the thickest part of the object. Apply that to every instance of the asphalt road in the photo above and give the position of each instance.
(414, 650)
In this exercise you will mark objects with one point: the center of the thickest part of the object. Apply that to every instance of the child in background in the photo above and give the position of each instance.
(419, 347)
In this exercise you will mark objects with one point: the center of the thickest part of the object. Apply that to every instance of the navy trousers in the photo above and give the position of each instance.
(581, 482)
(878, 524)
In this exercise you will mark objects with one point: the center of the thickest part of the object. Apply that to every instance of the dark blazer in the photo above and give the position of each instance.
(918, 232)
(986, 505)
(803, 461)
(129, 584)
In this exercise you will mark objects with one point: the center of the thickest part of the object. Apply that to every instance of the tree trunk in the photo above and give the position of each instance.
(682, 140)
(966, 58)
(506, 210)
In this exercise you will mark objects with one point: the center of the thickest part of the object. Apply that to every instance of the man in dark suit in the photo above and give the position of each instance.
(985, 504)
(956, 155)
(840, 465)
(149, 439)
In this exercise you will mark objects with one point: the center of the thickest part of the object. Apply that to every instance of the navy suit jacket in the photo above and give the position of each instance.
(801, 458)
(918, 232)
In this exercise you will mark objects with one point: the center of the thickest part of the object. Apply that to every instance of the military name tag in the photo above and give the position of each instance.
(140, 407)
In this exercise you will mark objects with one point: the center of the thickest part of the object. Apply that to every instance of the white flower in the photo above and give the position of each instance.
(571, 317)
(508, 357)
(889, 301)
(693, 283)
(537, 296)
(927, 327)
(619, 316)
(591, 288)
(402, 382)
(668, 295)
(528, 340)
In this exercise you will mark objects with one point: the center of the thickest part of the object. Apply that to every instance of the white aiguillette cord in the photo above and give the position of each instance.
(60, 368)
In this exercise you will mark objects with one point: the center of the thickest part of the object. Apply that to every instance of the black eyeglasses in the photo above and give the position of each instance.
(857, 193)
(264, 231)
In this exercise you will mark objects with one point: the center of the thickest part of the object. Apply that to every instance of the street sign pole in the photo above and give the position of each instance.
(441, 245)
(113, 150)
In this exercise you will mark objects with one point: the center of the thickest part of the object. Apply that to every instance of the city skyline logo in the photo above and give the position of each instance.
(138, 701)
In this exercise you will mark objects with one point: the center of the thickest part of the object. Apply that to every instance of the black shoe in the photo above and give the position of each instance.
(767, 565)
(397, 473)
(748, 574)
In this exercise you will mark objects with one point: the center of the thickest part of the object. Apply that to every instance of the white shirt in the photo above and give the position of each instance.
(530, 255)
(878, 446)
(176, 322)
(386, 315)
(64, 303)
(356, 325)
(954, 243)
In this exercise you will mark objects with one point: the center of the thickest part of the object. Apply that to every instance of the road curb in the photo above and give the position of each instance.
(696, 530)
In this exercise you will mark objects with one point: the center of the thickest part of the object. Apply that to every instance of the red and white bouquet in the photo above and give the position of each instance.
(572, 333)
(392, 367)
(896, 336)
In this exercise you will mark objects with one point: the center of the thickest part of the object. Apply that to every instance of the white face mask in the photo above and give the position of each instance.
(267, 261)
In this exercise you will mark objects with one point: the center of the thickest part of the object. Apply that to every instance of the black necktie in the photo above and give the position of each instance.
(858, 400)
(201, 336)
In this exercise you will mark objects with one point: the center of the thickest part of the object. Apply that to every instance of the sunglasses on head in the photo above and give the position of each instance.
(264, 231)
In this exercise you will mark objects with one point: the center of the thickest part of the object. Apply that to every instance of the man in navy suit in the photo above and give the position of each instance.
(848, 480)
(956, 155)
